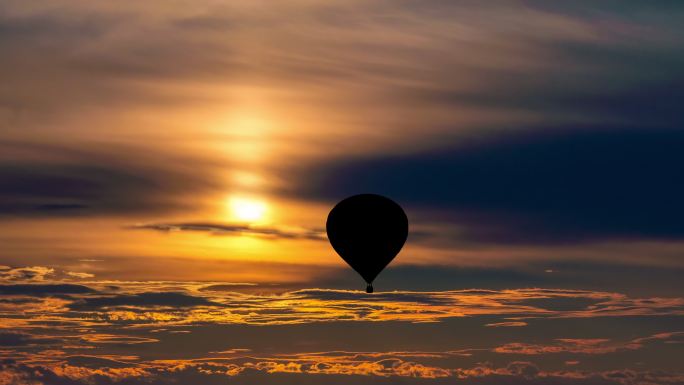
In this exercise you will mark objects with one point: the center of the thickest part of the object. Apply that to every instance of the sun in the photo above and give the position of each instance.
(247, 209)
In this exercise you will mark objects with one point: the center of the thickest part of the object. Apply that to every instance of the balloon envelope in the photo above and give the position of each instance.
(367, 231)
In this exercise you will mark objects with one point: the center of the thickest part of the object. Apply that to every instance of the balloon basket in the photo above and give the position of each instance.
(369, 288)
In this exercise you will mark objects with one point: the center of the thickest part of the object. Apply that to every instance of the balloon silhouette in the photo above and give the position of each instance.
(367, 231)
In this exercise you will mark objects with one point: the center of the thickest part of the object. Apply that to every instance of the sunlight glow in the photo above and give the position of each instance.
(247, 209)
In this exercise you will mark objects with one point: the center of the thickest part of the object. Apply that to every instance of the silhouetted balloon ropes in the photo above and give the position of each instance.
(367, 231)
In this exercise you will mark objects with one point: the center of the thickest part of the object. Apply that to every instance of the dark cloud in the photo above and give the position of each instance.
(652, 103)
(148, 299)
(523, 369)
(339, 295)
(624, 8)
(18, 301)
(24, 339)
(46, 180)
(236, 229)
(44, 290)
(540, 186)
(95, 362)
(50, 28)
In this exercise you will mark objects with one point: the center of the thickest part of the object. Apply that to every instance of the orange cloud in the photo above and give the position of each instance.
(507, 324)
(583, 346)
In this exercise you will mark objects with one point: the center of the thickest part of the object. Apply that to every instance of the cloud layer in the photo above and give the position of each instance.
(71, 331)
(558, 186)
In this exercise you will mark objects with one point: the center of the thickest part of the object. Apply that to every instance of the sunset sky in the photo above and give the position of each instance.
(167, 167)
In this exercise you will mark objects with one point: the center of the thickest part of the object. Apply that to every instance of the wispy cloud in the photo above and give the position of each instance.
(44, 289)
(507, 324)
(333, 369)
(146, 300)
(39, 274)
(81, 275)
(32, 273)
(583, 346)
(176, 303)
(123, 332)
(59, 180)
(236, 229)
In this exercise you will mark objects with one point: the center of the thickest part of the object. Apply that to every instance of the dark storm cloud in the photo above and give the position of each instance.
(47, 180)
(540, 186)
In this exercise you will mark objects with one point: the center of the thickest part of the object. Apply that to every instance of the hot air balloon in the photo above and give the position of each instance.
(367, 231)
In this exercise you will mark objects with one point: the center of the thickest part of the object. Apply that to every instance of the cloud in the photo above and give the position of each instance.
(39, 274)
(56, 180)
(430, 82)
(414, 277)
(318, 305)
(586, 346)
(236, 229)
(523, 369)
(44, 290)
(23, 339)
(267, 371)
(404, 76)
(117, 339)
(552, 186)
(228, 287)
(129, 334)
(507, 324)
(165, 304)
(80, 275)
(581, 268)
(29, 273)
(99, 361)
(147, 300)
(410, 65)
